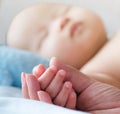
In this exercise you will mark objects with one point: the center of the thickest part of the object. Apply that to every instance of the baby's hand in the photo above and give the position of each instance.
(31, 89)
(52, 81)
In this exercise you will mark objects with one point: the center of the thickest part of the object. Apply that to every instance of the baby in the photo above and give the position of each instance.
(72, 34)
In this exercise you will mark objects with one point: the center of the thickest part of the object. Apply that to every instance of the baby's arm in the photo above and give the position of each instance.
(105, 65)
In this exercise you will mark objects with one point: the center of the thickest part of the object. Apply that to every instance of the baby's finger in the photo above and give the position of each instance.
(62, 97)
(38, 70)
(33, 86)
(44, 96)
(55, 86)
(71, 102)
(47, 77)
(24, 86)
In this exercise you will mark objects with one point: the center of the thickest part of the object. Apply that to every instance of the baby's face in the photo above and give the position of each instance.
(74, 36)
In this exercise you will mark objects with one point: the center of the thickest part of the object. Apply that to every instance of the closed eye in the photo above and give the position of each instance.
(64, 22)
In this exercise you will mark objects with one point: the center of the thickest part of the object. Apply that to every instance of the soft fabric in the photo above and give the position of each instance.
(12, 103)
(8, 91)
(13, 62)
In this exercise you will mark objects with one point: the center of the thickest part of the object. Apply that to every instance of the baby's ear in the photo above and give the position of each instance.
(38, 70)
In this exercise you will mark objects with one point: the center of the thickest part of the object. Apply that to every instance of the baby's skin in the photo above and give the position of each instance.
(32, 89)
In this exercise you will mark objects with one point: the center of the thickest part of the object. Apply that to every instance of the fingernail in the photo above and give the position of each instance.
(68, 84)
(62, 72)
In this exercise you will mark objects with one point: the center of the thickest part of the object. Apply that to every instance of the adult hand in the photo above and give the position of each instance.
(93, 96)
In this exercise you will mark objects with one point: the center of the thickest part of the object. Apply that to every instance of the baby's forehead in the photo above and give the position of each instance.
(54, 11)
(57, 10)
(45, 13)
(51, 11)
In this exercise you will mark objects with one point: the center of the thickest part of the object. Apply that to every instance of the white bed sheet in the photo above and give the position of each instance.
(11, 102)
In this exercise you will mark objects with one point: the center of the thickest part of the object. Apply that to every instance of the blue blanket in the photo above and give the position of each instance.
(14, 61)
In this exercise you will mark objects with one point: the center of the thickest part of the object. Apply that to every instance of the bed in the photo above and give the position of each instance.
(11, 102)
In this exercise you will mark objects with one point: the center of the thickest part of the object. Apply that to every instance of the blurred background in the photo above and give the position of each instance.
(108, 10)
